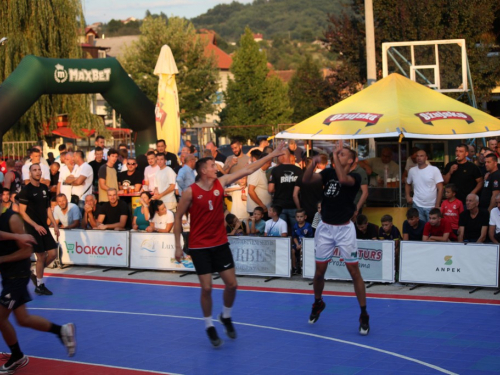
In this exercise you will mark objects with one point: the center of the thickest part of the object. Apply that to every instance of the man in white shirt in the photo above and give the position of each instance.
(150, 172)
(494, 224)
(67, 170)
(82, 181)
(36, 158)
(67, 215)
(427, 184)
(258, 194)
(165, 183)
(99, 142)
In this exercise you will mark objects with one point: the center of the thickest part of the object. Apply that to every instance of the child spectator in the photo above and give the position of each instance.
(437, 228)
(161, 219)
(234, 226)
(388, 231)
(300, 230)
(237, 192)
(275, 227)
(317, 217)
(254, 224)
(365, 230)
(413, 227)
(452, 207)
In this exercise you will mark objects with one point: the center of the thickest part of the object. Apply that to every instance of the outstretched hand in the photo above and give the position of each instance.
(279, 150)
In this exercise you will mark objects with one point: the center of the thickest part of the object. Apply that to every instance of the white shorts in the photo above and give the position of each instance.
(328, 238)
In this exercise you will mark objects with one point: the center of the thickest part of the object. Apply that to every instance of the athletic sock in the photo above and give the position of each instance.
(16, 354)
(318, 300)
(363, 310)
(226, 312)
(208, 322)
(55, 329)
(39, 281)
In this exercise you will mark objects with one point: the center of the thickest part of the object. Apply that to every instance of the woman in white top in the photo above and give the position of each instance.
(161, 220)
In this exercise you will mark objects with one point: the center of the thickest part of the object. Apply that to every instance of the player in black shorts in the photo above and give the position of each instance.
(34, 207)
(15, 267)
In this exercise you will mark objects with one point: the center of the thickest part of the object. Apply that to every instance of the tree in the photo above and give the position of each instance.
(253, 98)
(197, 81)
(46, 29)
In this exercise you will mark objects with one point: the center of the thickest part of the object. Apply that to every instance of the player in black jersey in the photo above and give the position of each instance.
(15, 267)
(34, 206)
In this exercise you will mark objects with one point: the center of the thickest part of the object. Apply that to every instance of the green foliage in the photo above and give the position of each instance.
(253, 98)
(46, 29)
(197, 81)
(295, 19)
(118, 28)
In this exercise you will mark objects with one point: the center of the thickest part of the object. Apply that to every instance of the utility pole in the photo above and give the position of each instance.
(371, 66)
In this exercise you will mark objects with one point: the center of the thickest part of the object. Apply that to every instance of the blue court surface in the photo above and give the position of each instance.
(159, 328)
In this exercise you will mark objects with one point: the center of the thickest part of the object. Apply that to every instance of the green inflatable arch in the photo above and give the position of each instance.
(36, 76)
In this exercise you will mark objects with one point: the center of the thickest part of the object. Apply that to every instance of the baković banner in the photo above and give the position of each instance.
(449, 263)
(376, 261)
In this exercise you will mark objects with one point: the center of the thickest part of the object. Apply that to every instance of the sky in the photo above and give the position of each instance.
(105, 10)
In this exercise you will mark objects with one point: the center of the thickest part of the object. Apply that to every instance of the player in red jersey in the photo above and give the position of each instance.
(208, 244)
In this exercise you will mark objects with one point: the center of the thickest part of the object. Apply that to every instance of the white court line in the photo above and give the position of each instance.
(437, 368)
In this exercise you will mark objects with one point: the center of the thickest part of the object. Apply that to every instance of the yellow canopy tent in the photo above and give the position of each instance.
(392, 107)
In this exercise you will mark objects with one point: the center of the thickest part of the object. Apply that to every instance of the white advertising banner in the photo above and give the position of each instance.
(261, 256)
(376, 261)
(94, 247)
(156, 251)
(449, 263)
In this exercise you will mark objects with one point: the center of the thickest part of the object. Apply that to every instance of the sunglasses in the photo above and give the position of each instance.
(131, 164)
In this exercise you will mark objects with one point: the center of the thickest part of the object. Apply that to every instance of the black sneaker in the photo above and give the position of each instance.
(316, 310)
(295, 271)
(228, 326)
(42, 290)
(23, 361)
(214, 337)
(33, 278)
(364, 324)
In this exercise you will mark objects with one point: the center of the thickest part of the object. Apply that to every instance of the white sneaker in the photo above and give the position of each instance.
(68, 336)
(14, 366)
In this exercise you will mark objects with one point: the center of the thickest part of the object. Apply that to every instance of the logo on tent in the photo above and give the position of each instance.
(369, 118)
(427, 117)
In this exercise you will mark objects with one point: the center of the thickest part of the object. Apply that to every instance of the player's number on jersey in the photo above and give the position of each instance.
(210, 205)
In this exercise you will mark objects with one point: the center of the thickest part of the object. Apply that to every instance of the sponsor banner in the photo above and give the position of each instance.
(261, 256)
(376, 261)
(449, 263)
(428, 117)
(62, 75)
(94, 247)
(156, 251)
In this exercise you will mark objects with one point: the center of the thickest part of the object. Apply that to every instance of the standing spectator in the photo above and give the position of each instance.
(90, 213)
(150, 172)
(219, 158)
(481, 159)
(464, 174)
(96, 164)
(67, 215)
(186, 176)
(258, 193)
(185, 151)
(427, 186)
(282, 184)
(170, 158)
(54, 178)
(141, 213)
(82, 181)
(161, 220)
(121, 162)
(494, 224)
(275, 226)
(491, 183)
(7, 202)
(36, 158)
(364, 229)
(113, 213)
(13, 179)
(107, 176)
(437, 229)
(236, 161)
(99, 142)
(131, 178)
(294, 150)
(66, 176)
(473, 222)
(362, 193)
(50, 158)
(471, 155)
(61, 148)
(493, 145)
(34, 207)
(306, 196)
(301, 229)
(263, 143)
(413, 226)
(165, 183)
(379, 166)
(142, 162)
(451, 208)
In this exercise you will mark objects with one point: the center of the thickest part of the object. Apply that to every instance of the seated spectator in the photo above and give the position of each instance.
(452, 207)
(7, 203)
(67, 215)
(473, 222)
(365, 230)
(141, 213)
(388, 231)
(161, 220)
(413, 227)
(114, 213)
(255, 224)
(91, 212)
(317, 217)
(301, 229)
(438, 228)
(275, 226)
(494, 229)
(131, 178)
(234, 226)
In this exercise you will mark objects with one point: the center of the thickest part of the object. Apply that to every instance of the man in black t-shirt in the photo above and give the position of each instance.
(413, 227)
(336, 230)
(113, 214)
(281, 185)
(464, 174)
(34, 206)
(170, 158)
(473, 222)
(97, 163)
(131, 177)
(491, 186)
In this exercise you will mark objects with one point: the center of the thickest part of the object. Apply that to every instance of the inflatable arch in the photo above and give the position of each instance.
(36, 76)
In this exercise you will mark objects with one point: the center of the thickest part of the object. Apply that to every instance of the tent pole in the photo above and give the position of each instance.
(400, 175)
